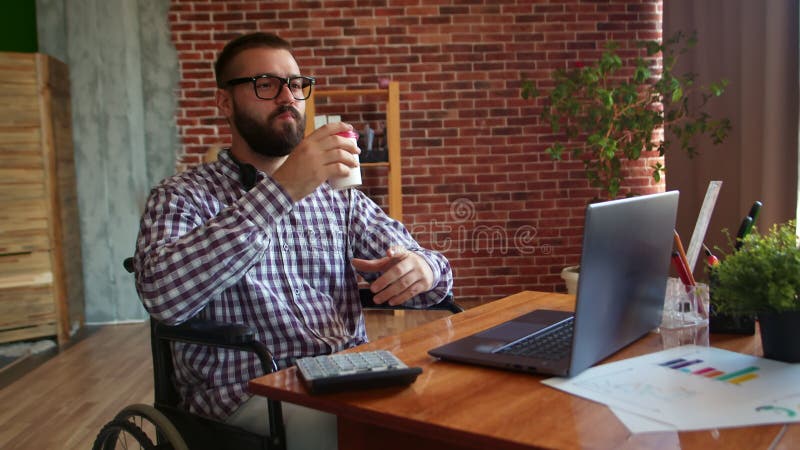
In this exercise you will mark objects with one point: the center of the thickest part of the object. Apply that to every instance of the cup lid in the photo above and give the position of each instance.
(348, 134)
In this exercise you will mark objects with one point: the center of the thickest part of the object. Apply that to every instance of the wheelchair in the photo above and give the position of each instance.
(166, 425)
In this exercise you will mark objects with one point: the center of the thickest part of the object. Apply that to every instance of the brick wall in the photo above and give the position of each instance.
(477, 184)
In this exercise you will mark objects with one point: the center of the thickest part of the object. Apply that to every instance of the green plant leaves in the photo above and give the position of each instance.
(763, 275)
(677, 94)
(641, 74)
(616, 115)
(652, 47)
(555, 151)
(718, 88)
(529, 90)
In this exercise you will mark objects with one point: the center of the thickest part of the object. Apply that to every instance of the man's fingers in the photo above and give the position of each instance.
(369, 265)
(393, 256)
(402, 277)
(404, 295)
(320, 156)
(393, 272)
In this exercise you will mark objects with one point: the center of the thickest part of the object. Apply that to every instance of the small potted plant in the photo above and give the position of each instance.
(762, 278)
(605, 112)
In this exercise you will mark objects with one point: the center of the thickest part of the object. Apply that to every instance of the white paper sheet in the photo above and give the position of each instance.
(692, 388)
(640, 424)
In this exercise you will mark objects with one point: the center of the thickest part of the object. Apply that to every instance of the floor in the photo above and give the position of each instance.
(17, 358)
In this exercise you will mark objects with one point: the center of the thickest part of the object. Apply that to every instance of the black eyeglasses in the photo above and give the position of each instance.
(267, 86)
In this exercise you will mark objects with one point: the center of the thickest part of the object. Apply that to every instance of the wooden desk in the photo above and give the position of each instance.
(459, 406)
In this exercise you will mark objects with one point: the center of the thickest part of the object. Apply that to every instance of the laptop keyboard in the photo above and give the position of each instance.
(553, 344)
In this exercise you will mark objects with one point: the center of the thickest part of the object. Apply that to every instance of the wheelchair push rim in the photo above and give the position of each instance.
(139, 427)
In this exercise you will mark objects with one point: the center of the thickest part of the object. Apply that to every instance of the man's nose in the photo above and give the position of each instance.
(285, 96)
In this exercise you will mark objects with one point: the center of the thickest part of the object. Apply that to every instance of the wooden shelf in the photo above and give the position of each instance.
(41, 279)
(392, 96)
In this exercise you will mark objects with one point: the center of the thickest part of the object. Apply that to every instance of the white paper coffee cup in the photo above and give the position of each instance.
(354, 178)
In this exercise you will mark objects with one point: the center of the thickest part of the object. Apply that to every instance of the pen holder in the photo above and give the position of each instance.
(685, 317)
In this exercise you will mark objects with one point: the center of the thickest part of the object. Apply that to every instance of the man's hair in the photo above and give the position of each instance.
(242, 43)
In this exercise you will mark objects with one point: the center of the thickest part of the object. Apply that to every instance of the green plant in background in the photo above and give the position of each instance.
(762, 276)
(606, 116)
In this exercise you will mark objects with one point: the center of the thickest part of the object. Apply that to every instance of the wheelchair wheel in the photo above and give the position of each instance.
(122, 434)
(154, 424)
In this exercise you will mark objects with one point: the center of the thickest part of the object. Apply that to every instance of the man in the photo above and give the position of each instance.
(259, 237)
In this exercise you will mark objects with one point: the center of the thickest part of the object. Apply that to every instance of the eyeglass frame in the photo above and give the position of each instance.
(283, 82)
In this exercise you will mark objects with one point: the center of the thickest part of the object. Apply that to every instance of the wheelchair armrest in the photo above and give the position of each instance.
(447, 304)
(208, 332)
(217, 334)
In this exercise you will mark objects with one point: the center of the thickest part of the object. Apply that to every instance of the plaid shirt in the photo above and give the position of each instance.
(207, 247)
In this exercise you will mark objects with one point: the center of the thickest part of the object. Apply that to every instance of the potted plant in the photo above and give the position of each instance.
(762, 278)
(605, 113)
(570, 276)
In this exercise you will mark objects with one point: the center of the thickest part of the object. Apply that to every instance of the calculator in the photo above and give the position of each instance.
(348, 371)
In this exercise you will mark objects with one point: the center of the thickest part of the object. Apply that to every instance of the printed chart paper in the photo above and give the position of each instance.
(693, 388)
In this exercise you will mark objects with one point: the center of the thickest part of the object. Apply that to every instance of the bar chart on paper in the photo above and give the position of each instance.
(700, 368)
(693, 388)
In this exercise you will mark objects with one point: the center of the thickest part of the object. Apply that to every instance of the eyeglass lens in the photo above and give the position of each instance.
(269, 87)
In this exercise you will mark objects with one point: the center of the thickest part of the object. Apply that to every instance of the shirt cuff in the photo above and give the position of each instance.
(441, 281)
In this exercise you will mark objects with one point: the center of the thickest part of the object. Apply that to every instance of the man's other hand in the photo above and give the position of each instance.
(404, 274)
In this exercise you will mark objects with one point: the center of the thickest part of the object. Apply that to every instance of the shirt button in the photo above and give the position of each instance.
(286, 247)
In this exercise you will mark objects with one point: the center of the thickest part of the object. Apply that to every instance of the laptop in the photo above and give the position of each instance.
(627, 245)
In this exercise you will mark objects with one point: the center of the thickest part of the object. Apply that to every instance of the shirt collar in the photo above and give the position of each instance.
(246, 174)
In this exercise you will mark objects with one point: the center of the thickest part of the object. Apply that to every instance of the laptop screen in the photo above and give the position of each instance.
(623, 274)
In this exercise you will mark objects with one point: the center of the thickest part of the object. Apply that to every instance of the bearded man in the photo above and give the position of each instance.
(260, 238)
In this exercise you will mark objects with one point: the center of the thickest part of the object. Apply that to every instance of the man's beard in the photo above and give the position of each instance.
(264, 139)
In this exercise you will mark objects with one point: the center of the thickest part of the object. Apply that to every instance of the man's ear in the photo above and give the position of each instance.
(224, 102)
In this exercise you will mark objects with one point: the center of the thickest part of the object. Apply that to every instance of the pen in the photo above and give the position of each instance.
(747, 223)
(754, 210)
(744, 228)
(684, 261)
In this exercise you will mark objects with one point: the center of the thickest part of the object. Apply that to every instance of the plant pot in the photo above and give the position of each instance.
(728, 323)
(570, 277)
(779, 337)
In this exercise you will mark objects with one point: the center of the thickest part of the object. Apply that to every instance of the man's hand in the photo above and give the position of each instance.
(405, 275)
(322, 155)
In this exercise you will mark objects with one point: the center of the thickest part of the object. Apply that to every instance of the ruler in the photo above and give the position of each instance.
(701, 226)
